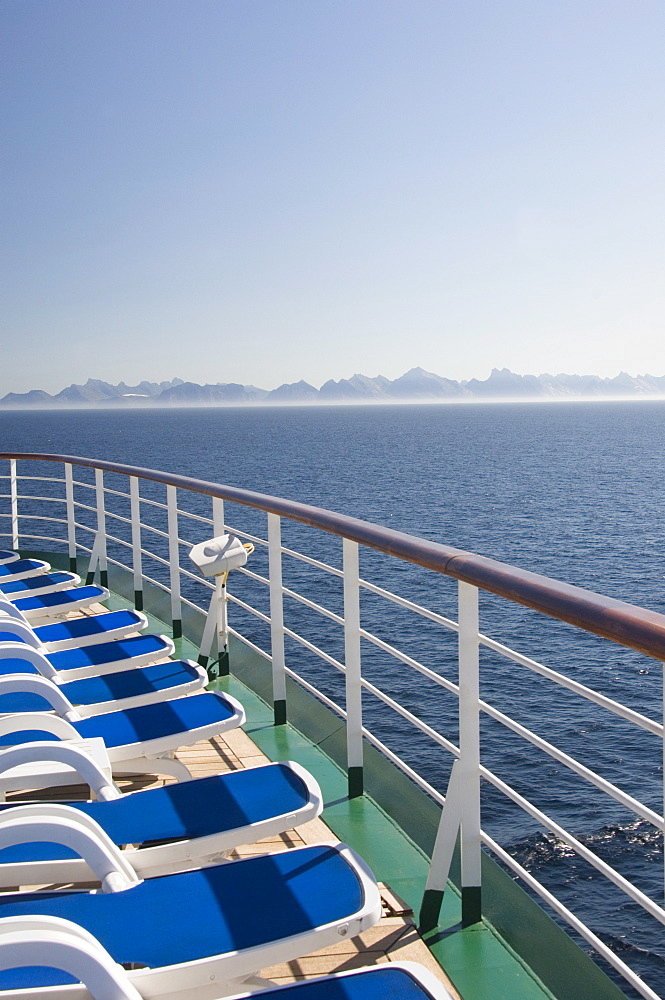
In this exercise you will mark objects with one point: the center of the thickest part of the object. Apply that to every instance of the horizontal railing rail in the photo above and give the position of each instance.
(607, 617)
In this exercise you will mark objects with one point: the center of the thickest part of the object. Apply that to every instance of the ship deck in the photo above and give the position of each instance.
(473, 962)
(394, 938)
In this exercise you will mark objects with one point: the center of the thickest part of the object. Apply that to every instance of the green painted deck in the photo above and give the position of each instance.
(478, 963)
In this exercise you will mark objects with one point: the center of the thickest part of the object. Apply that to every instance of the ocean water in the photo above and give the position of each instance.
(571, 490)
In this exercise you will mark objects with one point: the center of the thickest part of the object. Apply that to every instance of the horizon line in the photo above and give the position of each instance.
(294, 404)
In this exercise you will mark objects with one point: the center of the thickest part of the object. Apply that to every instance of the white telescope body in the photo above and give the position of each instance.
(218, 555)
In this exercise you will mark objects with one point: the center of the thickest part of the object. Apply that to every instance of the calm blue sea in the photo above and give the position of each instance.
(572, 490)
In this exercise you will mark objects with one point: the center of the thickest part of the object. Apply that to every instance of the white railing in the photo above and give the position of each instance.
(131, 528)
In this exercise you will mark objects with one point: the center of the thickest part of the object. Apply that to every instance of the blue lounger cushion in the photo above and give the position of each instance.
(237, 906)
(8, 555)
(183, 811)
(387, 982)
(98, 690)
(101, 653)
(61, 598)
(145, 722)
(119, 655)
(89, 628)
(20, 588)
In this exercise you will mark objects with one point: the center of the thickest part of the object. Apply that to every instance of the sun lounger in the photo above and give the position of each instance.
(195, 822)
(70, 634)
(35, 586)
(86, 660)
(136, 737)
(121, 656)
(239, 917)
(21, 569)
(91, 695)
(91, 661)
(60, 603)
(79, 955)
(8, 556)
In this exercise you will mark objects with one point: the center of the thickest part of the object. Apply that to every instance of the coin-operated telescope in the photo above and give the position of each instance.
(217, 558)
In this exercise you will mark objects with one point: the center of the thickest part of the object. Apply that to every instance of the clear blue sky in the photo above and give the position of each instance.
(260, 191)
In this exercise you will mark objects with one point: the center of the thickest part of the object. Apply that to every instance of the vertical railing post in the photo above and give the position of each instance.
(469, 761)
(71, 515)
(98, 555)
(277, 618)
(13, 488)
(174, 560)
(137, 556)
(101, 527)
(461, 810)
(354, 712)
(216, 627)
(222, 629)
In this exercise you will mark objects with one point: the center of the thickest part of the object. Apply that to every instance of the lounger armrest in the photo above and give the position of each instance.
(9, 610)
(46, 689)
(60, 824)
(45, 751)
(42, 721)
(311, 784)
(19, 651)
(22, 631)
(61, 944)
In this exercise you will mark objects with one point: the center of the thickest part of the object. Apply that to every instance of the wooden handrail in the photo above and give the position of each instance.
(618, 621)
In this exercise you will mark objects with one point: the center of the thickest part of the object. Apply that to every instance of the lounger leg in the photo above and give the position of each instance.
(162, 765)
(231, 986)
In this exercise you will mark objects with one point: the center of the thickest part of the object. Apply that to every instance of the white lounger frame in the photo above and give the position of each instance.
(72, 580)
(41, 616)
(27, 638)
(130, 758)
(148, 862)
(215, 975)
(72, 949)
(45, 682)
(10, 617)
(25, 574)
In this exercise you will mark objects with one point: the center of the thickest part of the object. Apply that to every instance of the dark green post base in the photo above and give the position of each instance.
(103, 577)
(138, 600)
(430, 910)
(356, 782)
(177, 628)
(218, 668)
(471, 909)
(433, 900)
(280, 711)
(72, 564)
